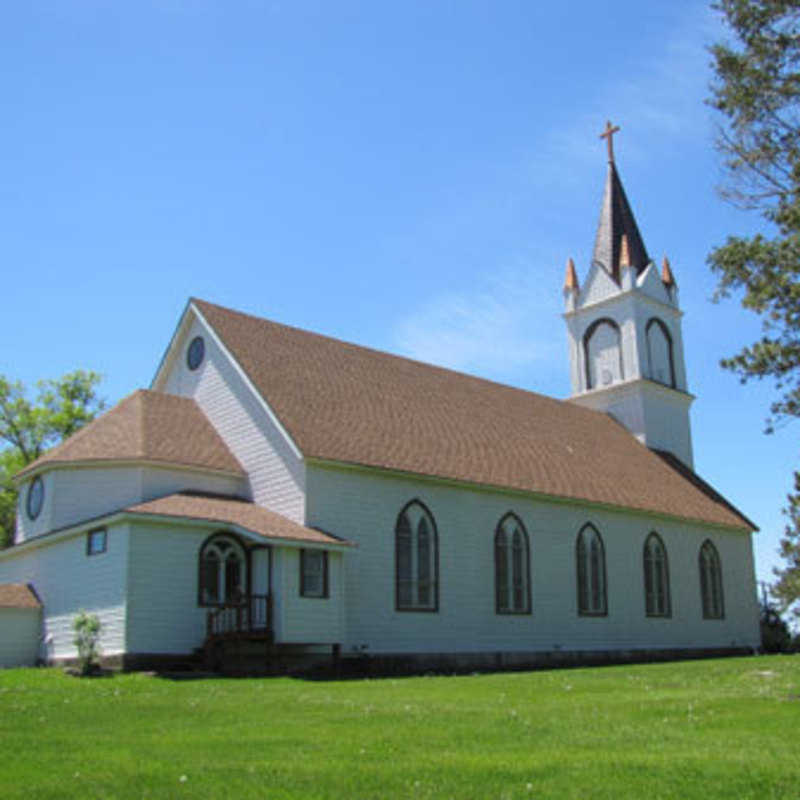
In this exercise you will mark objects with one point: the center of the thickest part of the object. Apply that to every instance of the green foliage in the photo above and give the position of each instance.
(702, 729)
(775, 635)
(756, 89)
(787, 588)
(11, 462)
(87, 640)
(30, 427)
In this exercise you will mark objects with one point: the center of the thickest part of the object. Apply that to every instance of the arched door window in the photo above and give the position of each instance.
(511, 567)
(659, 352)
(222, 563)
(416, 559)
(656, 578)
(590, 560)
(603, 354)
(711, 582)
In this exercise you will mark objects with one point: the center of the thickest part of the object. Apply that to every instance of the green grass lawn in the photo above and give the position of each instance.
(725, 728)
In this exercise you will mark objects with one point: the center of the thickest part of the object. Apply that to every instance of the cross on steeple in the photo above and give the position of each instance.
(608, 135)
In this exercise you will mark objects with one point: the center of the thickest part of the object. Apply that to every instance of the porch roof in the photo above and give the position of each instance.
(18, 595)
(234, 511)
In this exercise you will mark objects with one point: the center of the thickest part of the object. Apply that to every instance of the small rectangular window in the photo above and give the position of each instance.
(96, 542)
(313, 573)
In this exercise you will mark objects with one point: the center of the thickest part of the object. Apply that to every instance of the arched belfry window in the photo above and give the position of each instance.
(416, 559)
(223, 573)
(512, 576)
(602, 350)
(590, 558)
(711, 582)
(661, 365)
(656, 578)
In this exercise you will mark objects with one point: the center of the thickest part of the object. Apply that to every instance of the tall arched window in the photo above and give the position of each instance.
(656, 578)
(603, 354)
(711, 582)
(223, 573)
(659, 352)
(416, 559)
(512, 576)
(590, 560)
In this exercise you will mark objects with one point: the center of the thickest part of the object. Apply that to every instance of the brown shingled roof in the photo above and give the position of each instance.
(147, 426)
(18, 595)
(342, 402)
(232, 511)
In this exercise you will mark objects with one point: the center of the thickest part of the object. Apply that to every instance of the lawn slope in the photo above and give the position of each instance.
(723, 728)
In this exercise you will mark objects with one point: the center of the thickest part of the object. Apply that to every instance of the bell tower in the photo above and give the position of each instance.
(624, 328)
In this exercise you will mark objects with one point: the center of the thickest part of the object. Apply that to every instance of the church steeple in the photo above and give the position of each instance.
(626, 350)
(616, 221)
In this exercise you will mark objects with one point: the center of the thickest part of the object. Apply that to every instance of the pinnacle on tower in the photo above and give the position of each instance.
(667, 277)
(624, 252)
(571, 277)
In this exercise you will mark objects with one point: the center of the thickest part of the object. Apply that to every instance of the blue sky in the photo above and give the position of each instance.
(409, 176)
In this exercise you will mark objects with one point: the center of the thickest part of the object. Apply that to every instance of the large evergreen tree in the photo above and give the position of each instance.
(756, 88)
(30, 427)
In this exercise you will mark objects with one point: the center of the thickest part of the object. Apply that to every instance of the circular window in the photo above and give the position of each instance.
(195, 353)
(35, 498)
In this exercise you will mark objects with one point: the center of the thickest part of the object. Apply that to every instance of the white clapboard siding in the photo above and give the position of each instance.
(307, 620)
(363, 506)
(277, 476)
(158, 482)
(163, 613)
(67, 581)
(74, 494)
(20, 636)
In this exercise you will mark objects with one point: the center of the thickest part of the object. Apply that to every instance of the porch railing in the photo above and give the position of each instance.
(252, 614)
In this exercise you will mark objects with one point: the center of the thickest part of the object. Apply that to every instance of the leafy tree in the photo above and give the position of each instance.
(29, 428)
(756, 88)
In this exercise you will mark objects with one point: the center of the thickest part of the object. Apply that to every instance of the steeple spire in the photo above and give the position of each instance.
(616, 221)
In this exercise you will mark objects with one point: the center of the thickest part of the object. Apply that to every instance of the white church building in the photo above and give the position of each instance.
(281, 488)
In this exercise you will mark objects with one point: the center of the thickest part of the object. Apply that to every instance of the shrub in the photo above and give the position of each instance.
(775, 636)
(87, 635)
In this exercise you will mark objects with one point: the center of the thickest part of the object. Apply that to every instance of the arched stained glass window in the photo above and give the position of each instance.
(416, 559)
(656, 578)
(222, 570)
(711, 582)
(511, 567)
(591, 572)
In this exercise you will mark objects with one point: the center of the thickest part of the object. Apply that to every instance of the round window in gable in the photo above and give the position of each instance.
(35, 498)
(195, 353)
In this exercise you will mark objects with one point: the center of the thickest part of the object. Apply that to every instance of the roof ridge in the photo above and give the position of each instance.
(145, 432)
(388, 354)
(141, 426)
